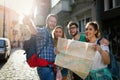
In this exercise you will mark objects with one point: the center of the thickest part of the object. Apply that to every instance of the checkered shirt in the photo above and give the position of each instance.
(45, 47)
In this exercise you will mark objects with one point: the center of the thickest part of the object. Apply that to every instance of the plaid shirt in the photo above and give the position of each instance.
(45, 47)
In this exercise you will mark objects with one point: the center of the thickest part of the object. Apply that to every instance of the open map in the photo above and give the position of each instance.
(75, 55)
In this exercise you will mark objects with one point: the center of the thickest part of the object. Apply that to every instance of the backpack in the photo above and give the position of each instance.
(32, 57)
(113, 66)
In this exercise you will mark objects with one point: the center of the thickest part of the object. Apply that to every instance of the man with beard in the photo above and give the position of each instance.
(73, 31)
(42, 44)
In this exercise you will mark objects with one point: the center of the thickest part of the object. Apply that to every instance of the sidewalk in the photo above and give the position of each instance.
(16, 67)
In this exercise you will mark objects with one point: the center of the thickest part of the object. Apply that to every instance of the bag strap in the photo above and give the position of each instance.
(98, 41)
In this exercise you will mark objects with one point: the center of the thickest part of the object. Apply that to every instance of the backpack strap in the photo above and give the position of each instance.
(98, 41)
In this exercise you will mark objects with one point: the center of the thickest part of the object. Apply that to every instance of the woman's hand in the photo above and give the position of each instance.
(57, 52)
(104, 54)
(97, 47)
(104, 42)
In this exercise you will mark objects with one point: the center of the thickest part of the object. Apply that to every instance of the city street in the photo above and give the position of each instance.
(35, 24)
(16, 67)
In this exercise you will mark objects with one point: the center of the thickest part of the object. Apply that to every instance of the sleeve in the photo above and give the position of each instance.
(104, 47)
(41, 38)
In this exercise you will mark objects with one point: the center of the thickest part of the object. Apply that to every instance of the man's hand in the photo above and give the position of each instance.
(32, 27)
(27, 21)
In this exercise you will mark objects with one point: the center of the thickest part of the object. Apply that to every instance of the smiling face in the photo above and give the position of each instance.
(58, 33)
(90, 32)
(51, 22)
(73, 30)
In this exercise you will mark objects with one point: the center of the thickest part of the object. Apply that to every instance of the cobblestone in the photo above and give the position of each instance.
(16, 68)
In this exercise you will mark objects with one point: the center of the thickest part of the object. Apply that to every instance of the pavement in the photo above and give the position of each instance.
(16, 68)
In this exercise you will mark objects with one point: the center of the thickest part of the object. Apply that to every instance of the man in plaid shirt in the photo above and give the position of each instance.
(45, 48)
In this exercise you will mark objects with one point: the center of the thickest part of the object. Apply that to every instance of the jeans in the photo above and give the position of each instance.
(46, 73)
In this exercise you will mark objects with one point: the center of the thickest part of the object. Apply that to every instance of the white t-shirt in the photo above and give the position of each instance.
(98, 63)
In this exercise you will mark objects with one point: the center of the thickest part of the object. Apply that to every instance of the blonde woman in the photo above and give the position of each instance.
(58, 32)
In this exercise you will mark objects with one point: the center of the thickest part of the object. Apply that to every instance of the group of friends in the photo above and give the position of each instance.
(47, 38)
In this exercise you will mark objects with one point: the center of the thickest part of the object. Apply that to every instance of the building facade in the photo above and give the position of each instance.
(108, 17)
(8, 18)
(41, 9)
(80, 11)
(11, 26)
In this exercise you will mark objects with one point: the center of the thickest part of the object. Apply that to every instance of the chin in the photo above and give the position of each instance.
(87, 37)
(52, 28)
(72, 34)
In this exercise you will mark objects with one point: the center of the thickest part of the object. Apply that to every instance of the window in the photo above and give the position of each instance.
(82, 24)
(109, 4)
(2, 43)
(72, 1)
(54, 2)
(117, 3)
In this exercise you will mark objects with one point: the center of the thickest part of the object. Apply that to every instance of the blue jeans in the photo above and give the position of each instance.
(45, 73)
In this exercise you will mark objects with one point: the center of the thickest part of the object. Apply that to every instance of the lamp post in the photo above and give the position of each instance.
(4, 21)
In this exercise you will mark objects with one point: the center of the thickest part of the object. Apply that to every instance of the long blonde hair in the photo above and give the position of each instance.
(55, 40)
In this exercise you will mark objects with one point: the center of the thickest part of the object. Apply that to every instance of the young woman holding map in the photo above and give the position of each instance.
(59, 32)
(99, 69)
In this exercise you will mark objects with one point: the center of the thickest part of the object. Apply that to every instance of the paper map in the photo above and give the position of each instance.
(75, 55)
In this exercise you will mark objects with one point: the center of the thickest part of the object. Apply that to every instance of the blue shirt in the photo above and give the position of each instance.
(45, 47)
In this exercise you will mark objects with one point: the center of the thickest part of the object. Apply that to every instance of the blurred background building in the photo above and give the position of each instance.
(12, 13)
(40, 10)
(80, 11)
(108, 16)
(7, 21)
